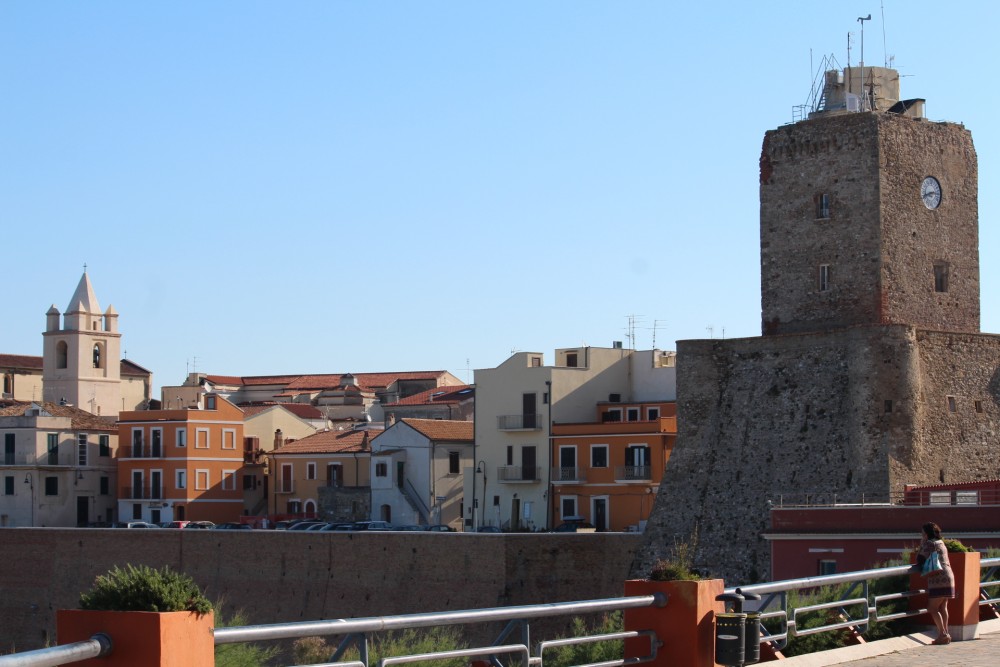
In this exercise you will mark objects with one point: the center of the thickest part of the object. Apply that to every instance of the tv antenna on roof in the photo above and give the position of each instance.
(861, 20)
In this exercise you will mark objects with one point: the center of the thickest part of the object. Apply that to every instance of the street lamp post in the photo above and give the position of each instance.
(480, 468)
(31, 486)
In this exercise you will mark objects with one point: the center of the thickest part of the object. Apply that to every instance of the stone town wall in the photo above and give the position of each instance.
(842, 416)
(280, 576)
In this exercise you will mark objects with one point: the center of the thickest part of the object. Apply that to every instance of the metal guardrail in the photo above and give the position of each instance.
(516, 617)
(97, 646)
(989, 579)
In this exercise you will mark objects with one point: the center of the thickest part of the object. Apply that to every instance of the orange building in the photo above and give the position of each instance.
(185, 464)
(608, 471)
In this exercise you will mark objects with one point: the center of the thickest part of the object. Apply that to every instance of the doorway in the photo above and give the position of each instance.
(82, 511)
(599, 512)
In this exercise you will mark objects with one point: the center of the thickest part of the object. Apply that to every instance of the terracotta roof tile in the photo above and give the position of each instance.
(79, 419)
(20, 361)
(443, 429)
(300, 410)
(330, 442)
(451, 394)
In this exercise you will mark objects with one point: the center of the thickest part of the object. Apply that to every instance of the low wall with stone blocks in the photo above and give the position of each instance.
(281, 576)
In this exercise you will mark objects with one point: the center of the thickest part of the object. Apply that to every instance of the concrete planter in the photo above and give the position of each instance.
(143, 638)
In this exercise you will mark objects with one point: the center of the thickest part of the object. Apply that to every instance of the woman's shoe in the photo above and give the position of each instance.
(943, 639)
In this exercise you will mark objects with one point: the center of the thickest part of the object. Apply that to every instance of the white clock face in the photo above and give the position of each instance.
(930, 192)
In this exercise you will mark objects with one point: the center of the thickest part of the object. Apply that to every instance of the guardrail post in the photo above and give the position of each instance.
(963, 611)
(685, 627)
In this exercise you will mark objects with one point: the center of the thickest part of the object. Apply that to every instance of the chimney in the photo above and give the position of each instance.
(279, 438)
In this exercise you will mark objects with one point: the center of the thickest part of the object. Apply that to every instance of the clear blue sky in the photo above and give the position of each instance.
(292, 187)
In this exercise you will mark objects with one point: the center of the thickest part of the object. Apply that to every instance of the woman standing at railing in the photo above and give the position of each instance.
(932, 559)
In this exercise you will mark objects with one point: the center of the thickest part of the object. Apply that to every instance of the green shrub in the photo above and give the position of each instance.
(678, 565)
(242, 654)
(143, 588)
(956, 547)
(404, 642)
(591, 653)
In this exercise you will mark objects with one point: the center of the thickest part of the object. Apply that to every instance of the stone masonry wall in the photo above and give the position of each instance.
(879, 240)
(837, 417)
(281, 576)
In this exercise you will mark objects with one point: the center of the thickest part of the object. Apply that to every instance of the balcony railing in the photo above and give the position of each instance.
(519, 422)
(563, 474)
(46, 459)
(143, 451)
(518, 473)
(142, 493)
(633, 473)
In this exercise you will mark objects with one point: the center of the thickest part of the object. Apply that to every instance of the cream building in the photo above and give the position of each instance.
(516, 404)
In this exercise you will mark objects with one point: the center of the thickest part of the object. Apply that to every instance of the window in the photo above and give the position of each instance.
(137, 442)
(180, 479)
(62, 354)
(612, 415)
(454, 460)
(201, 480)
(228, 480)
(249, 482)
(510, 455)
(824, 278)
(536, 362)
(951, 404)
(210, 403)
(571, 359)
(201, 438)
(105, 486)
(8, 485)
(228, 438)
(8, 449)
(941, 277)
(81, 448)
(181, 438)
(598, 456)
(52, 486)
(979, 406)
(156, 442)
(567, 506)
(823, 206)
(652, 414)
(310, 470)
(827, 567)
(53, 449)
(381, 469)
(156, 484)
(104, 446)
(97, 355)
(567, 463)
(632, 414)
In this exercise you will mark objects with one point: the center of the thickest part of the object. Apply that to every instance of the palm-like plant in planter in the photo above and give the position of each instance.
(155, 618)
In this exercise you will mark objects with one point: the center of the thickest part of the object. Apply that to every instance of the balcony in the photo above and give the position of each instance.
(519, 422)
(514, 474)
(141, 493)
(633, 473)
(568, 475)
(140, 451)
(47, 459)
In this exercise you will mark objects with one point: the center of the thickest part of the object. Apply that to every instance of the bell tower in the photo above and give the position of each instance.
(82, 358)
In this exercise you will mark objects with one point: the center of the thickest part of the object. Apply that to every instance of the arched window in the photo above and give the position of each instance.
(97, 355)
(310, 508)
(62, 354)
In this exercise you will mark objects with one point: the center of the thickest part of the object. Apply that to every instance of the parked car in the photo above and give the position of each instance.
(440, 528)
(199, 525)
(174, 524)
(408, 527)
(138, 524)
(305, 525)
(233, 525)
(574, 524)
(488, 529)
(330, 527)
(372, 525)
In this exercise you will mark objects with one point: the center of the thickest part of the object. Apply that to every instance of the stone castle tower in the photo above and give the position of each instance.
(81, 359)
(871, 372)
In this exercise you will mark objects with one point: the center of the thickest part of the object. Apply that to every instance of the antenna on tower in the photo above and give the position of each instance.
(887, 60)
(861, 20)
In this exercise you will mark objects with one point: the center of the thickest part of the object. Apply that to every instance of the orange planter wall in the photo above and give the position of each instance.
(141, 638)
